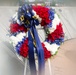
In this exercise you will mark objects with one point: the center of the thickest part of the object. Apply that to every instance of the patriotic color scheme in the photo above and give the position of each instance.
(24, 36)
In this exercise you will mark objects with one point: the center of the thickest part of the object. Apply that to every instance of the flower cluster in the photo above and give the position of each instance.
(19, 37)
(51, 12)
(53, 48)
(57, 34)
(43, 14)
(47, 54)
(51, 16)
(24, 49)
(18, 45)
(14, 27)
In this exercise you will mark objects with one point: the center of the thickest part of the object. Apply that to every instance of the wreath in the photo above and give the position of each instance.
(40, 15)
(24, 36)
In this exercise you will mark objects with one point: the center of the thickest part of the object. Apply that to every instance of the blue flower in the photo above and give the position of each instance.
(51, 17)
(51, 12)
(49, 25)
(17, 47)
(49, 41)
(57, 41)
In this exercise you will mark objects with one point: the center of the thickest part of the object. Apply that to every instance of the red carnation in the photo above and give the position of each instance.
(57, 33)
(43, 13)
(47, 54)
(16, 27)
(24, 49)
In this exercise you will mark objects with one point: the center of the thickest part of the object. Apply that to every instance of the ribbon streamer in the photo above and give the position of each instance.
(39, 50)
(31, 54)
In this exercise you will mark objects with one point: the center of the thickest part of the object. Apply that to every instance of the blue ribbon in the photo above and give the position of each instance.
(39, 50)
(31, 54)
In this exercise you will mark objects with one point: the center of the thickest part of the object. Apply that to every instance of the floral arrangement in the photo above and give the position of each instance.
(23, 28)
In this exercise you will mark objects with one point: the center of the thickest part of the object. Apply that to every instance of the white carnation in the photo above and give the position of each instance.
(53, 47)
(56, 21)
(14, 40)
(20, 36)
(17, 38)
(51, 29)
(15, 16)
(18, 21)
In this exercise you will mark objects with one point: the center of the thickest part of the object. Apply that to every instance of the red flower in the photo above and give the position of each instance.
(43, 13)
(57, 33)
(16, 27)
(24, 49)
(47, 54)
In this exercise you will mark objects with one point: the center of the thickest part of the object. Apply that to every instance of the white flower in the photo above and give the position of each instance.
(20, 36)
(17, 38)
(18, 22)
(33, 4)
(38, 4)
(14, 40)
(55, 21)
(53, 47)
(34, 12)
(51, 29)
(15, 16)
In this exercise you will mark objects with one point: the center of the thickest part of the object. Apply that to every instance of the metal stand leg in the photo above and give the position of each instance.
(49, 63)
(25, 66)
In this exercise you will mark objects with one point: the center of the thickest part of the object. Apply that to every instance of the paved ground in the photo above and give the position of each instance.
(63, 63)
